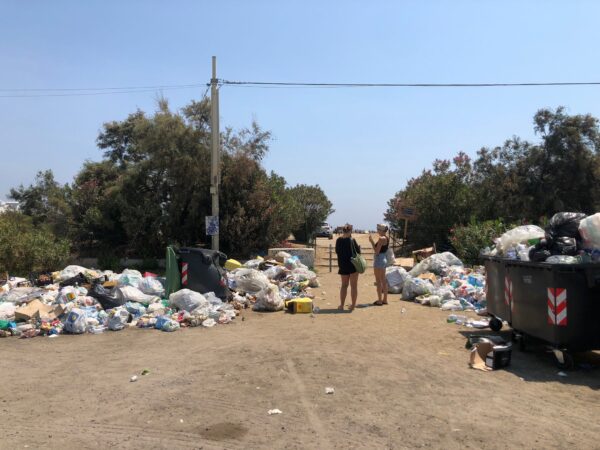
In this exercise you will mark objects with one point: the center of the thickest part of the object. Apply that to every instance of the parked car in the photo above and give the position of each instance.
(324, 230)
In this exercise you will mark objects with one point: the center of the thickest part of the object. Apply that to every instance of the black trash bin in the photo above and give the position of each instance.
(556, 303)
(202, 271)
(498, 291)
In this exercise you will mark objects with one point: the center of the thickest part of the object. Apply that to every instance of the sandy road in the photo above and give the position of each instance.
(401, 381)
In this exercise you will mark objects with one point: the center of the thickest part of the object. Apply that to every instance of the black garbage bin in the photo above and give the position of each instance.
(498, 291)
(202, 271)
(556, 303)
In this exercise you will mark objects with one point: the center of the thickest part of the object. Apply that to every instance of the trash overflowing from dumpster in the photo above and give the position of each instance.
(78, 300)
(569, 238)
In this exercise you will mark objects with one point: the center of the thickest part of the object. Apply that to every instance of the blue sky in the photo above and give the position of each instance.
(359, 145)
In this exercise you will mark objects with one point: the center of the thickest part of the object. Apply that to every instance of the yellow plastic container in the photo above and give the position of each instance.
(232, 264)
(299, 306)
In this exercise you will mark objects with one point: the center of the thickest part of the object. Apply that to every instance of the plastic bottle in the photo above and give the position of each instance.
(452, 318)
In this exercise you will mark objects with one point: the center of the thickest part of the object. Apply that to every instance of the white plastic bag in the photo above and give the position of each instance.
(561, 259)
(250, 280)
(7, 311)
(117, 318)
(188, 300)
(439, 264)
(269, 299)
(519, 235)
(129, 278)
(396, 276)
(413, 287)
(151, 286)
(589, 228)
(70, 272)
(76, 321)
(303, 274)
(274, 272)
(133, 294)
(391, 258)
(213, 299)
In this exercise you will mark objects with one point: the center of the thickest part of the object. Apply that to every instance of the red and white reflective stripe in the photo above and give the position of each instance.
(508, 291)
(184, 274)
(557, 307)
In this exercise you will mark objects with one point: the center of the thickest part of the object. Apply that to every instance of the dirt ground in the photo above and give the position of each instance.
(400, 376)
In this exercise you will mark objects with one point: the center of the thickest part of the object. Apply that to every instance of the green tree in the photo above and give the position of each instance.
(46, 202)
(313, 207)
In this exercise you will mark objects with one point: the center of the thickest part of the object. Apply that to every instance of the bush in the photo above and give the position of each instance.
(26, 248)
(469, 240)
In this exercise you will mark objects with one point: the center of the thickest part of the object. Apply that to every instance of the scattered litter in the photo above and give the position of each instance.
(274, 411)
(563, 374)
(145, 372)
(133, 379)
(329, 390)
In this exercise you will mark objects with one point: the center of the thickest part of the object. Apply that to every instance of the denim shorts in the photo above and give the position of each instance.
(380, 261)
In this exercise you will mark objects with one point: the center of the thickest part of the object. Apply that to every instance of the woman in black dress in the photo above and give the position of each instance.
(343, 249)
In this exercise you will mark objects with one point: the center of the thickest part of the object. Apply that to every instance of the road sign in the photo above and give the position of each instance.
(212, 225)
(405, 211)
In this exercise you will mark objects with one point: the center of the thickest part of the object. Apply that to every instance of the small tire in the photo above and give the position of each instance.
(495, 324)
(568, 363)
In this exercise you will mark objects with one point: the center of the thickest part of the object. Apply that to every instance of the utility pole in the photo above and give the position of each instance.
(215, 160)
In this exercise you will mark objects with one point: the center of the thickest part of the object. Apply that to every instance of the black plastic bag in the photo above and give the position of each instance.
(539, 255)
(564, 246)
(565, 224)
(105, 297)
(78, 279)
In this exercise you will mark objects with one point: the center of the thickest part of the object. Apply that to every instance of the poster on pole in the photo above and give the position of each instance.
(212, 225)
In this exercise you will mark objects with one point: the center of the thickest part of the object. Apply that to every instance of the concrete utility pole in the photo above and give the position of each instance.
(215, 160)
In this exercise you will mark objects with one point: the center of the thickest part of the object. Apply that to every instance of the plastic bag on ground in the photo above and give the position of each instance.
(133, 294)
(519, 235)
(117, 318)
(275, 272)
(22, 295)
(303, 274)
(70, 272)
(213, 299)
(151, 286)
(269, 299)
(250, 280)
(452, 305)
(396, 276)
(7, 311)
(130, 278)
(589, 229)
(187, 300)
(135, 309)
(413, 287)
(253, 263)
(438, 264)
(105, 297)
(430, 300)
(76, 321)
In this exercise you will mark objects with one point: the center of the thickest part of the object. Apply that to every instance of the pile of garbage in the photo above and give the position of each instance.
(440, 280)
(267, 285)
(78, 300)
(569, 238)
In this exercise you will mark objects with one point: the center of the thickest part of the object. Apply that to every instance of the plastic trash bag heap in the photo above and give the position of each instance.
(79, 300)
(440, 280)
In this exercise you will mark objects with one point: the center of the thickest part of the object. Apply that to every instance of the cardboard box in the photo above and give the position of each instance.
(36, 308)
(428, 276)
(488, 356)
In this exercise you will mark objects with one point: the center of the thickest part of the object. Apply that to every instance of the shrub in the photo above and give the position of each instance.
(26, 248)
(469, 240)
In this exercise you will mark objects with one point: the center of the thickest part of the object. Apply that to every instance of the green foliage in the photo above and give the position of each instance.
(45, 201)
(519, 181)
(312, 206)
(152, 189)
(468, 240)
(25, 247)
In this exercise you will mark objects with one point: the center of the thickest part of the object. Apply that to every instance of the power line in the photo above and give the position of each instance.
(259, 84)
(98, 91)
(160, 86)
